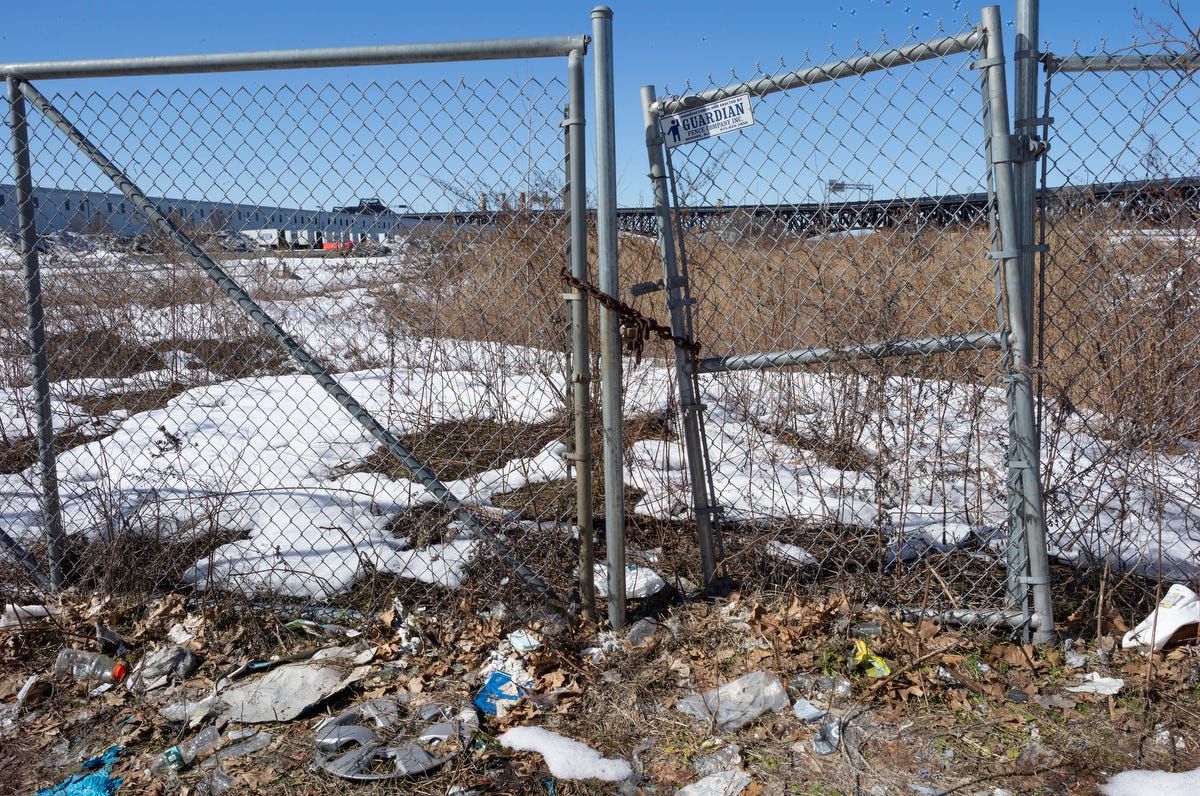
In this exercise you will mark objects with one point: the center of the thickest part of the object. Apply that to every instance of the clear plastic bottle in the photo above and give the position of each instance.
(84, 665)
(178, 758)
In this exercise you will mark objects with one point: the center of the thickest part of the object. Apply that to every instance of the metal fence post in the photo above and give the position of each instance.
(1025, 169)
(689, 401)
(1025, 74)
(40, 366)
(581, 345)
(610, 331)
(1025, 490)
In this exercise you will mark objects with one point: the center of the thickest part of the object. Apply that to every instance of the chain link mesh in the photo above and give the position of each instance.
(1120, 378)
(193, 453)
(853, 211)
(408, 234)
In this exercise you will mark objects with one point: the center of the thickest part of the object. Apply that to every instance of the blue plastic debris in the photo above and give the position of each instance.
(96, 783)
(498, 688)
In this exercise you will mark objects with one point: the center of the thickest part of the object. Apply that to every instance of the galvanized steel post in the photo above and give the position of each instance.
(581, 345)
(39, 361)
(673, 282)
(1025, 490)
(1025, 121)
(610, 330)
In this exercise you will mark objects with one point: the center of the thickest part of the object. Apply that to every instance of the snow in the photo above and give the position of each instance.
(1153, 783)
(276, 465)
(566, 758)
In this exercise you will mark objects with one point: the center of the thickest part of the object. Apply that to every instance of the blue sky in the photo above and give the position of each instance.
(659, 43)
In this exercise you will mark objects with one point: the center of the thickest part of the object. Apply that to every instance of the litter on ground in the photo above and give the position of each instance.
(739, 702)
(285, 692)
(566, 758)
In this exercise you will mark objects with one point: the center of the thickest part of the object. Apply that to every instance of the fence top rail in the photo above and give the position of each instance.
(1130, 62)
(481, 50)
(861, 65)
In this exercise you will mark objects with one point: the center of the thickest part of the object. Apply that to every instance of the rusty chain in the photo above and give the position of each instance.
(636, 328)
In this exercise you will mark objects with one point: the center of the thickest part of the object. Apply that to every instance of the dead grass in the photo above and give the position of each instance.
(496, 284)
(1122, 329)
(119, 562)
(455, 450)
(20, 454)
(1121, 333)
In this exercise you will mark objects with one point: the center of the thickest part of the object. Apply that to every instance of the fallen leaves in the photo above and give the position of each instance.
(958, 687)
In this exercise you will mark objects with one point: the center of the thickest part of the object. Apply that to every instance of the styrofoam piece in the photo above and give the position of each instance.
(1178, 608)
(640, 582)
(17, 615)
(790, 554)
(1093, 683)
(523, 641)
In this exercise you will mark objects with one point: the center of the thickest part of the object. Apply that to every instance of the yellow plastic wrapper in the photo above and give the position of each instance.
(863, 658)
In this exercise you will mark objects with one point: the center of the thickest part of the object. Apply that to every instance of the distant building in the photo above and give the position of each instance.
(94, 212)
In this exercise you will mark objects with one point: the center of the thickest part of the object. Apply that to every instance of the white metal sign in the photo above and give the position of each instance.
(715, 118)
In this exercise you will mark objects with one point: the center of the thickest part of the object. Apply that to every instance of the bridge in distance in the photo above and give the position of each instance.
(1162, 200)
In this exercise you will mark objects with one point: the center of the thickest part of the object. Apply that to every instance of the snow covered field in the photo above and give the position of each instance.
(271, 459)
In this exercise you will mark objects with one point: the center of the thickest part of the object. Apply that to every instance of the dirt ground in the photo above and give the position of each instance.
(959, 711)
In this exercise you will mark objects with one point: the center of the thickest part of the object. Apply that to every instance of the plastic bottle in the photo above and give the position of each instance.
(178, 758)
(84, 665)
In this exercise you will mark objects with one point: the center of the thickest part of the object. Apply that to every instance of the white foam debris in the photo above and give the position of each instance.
(566, 758)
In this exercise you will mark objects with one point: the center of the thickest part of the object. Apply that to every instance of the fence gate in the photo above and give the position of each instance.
(1117, 298)
(300, 339)
(847, 261)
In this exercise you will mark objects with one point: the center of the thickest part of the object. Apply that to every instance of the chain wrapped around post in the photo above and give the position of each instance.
(636, 328)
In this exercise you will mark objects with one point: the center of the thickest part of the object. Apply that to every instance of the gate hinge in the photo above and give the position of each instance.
(1027, 147)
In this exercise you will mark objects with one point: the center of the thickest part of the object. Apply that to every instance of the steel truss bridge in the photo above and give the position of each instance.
(1163, 201)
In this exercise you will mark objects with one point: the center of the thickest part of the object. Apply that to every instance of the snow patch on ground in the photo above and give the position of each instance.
(276, 461)
(1153, 783)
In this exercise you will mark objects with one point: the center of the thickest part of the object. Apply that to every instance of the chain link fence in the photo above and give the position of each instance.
(1119, 292)
(847, 230)
(407, 232)
(840, 265)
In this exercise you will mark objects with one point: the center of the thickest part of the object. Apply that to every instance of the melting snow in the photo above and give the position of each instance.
(272, 458)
